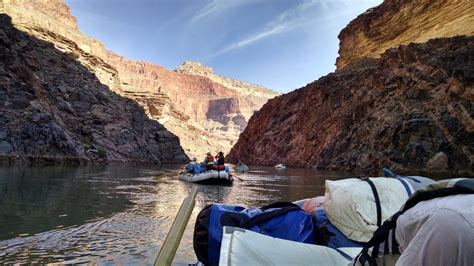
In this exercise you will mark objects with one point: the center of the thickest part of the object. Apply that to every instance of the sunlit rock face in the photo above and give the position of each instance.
(55, 110)
(411, 109)
(408, 107)
(184, 101)
(397, 22)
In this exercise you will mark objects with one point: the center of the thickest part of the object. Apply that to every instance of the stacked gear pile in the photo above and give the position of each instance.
(353, 210)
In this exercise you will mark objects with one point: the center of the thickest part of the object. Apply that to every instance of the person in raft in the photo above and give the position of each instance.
(209, 161)
(220, 162)
(191, 165)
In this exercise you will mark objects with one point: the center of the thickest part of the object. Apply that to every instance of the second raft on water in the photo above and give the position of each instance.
(211, 177)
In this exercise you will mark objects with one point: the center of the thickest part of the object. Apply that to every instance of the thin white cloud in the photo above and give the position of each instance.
(217, 7)
(285, 22)
(297, 17)
(252, 39)
(212, 7)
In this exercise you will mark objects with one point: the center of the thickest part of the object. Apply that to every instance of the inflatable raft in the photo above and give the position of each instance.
(211, 177)
(280, 166)
(242, 168)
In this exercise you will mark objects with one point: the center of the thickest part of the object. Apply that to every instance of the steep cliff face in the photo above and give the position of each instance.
(52, 109)
(410, 109)
(397, 22)
(244, 88)
(181, 102)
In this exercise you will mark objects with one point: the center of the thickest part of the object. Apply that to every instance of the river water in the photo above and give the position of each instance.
(119, 214)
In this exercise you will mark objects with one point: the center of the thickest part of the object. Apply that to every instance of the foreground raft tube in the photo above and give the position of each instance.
(212, 177)
(244, 247)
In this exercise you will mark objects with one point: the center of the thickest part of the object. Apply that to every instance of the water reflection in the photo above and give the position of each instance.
(121, 214)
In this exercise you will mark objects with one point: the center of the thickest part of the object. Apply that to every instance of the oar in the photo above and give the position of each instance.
(238, 178)
(169, 247)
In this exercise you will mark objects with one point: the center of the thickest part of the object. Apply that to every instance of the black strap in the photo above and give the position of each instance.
(279, 204)
(395, 249)
(265, 216)
(344, 254)
(442, 192)
(387, 230)
(377, 200)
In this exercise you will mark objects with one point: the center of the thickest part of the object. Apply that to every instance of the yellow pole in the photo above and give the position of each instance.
(169, 247)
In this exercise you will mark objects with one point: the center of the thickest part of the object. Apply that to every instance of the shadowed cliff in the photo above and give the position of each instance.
(52, 108)
(180, 100)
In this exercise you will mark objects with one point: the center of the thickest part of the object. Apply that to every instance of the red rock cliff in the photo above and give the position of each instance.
(184, 101)
(410, 109)
(397, 22)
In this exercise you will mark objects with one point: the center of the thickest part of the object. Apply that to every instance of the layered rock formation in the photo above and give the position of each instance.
(397, 22)
(185, 103)
(410, 109)
(52, 108)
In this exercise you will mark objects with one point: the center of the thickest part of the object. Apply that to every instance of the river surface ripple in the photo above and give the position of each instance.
(121, 214)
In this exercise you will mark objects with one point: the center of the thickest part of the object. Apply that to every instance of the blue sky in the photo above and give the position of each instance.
(281, 44)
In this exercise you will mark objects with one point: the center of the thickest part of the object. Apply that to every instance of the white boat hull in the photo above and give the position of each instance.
(242, 168)
(208, 177)
(280, 166)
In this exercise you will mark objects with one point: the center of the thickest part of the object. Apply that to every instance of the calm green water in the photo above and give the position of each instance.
(120, 215)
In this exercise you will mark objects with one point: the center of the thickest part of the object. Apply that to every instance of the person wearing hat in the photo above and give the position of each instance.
(209, 161)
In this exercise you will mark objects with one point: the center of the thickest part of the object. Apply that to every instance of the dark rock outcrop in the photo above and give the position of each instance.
(52, 108)
(399, 111)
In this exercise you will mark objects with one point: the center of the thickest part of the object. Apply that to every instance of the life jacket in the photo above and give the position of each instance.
(281, 220)
(383, 242)
(219, 167)
(210, 160)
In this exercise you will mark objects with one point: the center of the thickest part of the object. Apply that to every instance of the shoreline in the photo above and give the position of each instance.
(17, 160)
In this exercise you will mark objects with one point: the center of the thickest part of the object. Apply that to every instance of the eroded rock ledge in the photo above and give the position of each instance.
(397, 22)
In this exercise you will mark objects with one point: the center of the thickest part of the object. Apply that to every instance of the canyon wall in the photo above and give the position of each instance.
(411, 109)
(55, 110)
(207, 112)
(397, 22)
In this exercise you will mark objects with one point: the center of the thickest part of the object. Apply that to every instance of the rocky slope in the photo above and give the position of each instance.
(396, 22)
(52, 108)
(410, 109)
(185, 103)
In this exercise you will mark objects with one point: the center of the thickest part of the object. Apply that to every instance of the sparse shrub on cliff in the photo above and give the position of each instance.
(101, 152)
(87, 141)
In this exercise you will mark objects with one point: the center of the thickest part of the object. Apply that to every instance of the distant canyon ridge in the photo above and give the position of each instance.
(402, 97)
(206, 111)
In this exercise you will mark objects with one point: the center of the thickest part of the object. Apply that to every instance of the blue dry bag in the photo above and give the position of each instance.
(197, 169)
(190, 168)
(281, 220)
